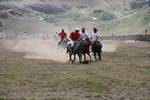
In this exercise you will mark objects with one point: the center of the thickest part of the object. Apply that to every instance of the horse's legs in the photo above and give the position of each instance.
(84, 56)
(74, 58)
(99, 54)
(70, 59)
(95, 56)
(89, 57)
(80, 58)
(67, 51)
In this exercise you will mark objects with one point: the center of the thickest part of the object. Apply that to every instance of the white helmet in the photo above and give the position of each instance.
(87, 35)
(77, 29)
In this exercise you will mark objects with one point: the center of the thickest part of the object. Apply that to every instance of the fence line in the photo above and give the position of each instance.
(128, 37)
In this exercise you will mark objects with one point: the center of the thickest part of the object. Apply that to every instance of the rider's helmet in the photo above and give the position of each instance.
(77, 29)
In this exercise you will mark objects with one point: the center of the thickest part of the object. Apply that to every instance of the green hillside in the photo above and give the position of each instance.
(134, 23)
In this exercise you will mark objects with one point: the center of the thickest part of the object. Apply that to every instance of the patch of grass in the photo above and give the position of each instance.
(91, 86)
(55, 99)
(5, 98)
(2, 98)
(145, 71)
(84, 84)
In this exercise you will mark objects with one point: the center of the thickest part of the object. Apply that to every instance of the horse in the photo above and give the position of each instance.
(80, 48)
(86, 45)
(70, 51)
(63, 43)
(97, 49)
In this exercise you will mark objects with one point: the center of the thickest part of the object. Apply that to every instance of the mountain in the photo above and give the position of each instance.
(49, 16)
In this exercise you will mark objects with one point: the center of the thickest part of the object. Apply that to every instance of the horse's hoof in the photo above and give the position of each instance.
(72, 62)
(86, 62)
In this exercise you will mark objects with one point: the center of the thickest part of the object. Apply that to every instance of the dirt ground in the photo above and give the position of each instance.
(122, 75)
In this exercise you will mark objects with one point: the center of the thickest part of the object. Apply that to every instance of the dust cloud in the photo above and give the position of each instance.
(109, 46)
(47, 49)
(38, 49)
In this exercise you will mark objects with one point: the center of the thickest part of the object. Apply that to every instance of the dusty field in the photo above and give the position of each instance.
(123, 75)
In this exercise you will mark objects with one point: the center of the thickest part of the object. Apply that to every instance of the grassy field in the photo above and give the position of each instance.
(123, 75)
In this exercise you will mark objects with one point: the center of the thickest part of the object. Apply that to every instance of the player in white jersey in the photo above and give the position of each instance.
(83, 34)
(95, 35)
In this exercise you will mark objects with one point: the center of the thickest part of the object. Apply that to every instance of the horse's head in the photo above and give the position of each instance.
(88, 42)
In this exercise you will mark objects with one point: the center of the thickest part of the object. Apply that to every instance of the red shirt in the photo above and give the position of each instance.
(74, 36)
(62, 35)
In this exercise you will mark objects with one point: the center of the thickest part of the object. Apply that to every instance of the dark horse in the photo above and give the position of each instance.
(97, 49)
(80, 48)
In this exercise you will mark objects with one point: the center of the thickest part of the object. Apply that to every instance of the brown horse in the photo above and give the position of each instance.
(82, 47)
(87, 44)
